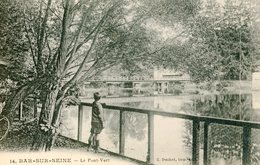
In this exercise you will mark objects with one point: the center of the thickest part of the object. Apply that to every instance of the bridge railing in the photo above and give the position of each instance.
(138, 78)
(247, 127)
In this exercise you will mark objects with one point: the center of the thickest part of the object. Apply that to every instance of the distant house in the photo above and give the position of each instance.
(163, 78)
(160, 73)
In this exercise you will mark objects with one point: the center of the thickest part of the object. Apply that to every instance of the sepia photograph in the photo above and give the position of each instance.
(130, 82)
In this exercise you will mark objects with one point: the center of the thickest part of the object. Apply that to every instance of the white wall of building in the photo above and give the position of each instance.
(169, 74)
(256, 81)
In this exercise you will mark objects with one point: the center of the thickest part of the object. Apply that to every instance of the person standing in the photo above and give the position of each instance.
(97, 123)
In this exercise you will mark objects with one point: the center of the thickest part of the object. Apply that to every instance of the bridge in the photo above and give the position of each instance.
(201, 126)
(135, 85)
(138, 78)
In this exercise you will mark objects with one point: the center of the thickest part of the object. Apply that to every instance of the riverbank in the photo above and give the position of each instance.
(20, 138)
(15, 148)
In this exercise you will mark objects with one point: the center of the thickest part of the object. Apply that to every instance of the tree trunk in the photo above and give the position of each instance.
(47, 131)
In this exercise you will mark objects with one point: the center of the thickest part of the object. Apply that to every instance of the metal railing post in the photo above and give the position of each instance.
(206, 152)
(246, 158)
(122, 133)
(150, 154)
(195, 142)
(80, 121)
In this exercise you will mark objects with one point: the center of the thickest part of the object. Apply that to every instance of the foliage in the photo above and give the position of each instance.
(215, 43)
(170, 12)
(19, 137)
(222, 39)
(64, 44)
(14, 46)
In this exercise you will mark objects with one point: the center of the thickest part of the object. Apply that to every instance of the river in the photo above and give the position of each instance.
(173, 136)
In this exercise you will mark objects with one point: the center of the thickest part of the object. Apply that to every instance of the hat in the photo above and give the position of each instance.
(97, 96)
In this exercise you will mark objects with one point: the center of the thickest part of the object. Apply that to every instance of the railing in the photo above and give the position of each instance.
(138, 78)
(196, 120)
(122, 78)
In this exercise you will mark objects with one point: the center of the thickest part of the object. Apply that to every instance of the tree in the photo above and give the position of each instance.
(222, 40)
(13, 48)
(69, 42)
(215, 42)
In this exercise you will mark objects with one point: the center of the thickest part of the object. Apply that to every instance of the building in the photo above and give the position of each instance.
(116, 82)
(164, 78)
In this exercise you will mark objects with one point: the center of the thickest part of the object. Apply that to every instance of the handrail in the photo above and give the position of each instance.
(196, 119)
(182, 116)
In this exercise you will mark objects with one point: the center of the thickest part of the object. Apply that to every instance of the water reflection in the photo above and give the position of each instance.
(135, 133)
(225, 141)
(233, 106)
(173, 137)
